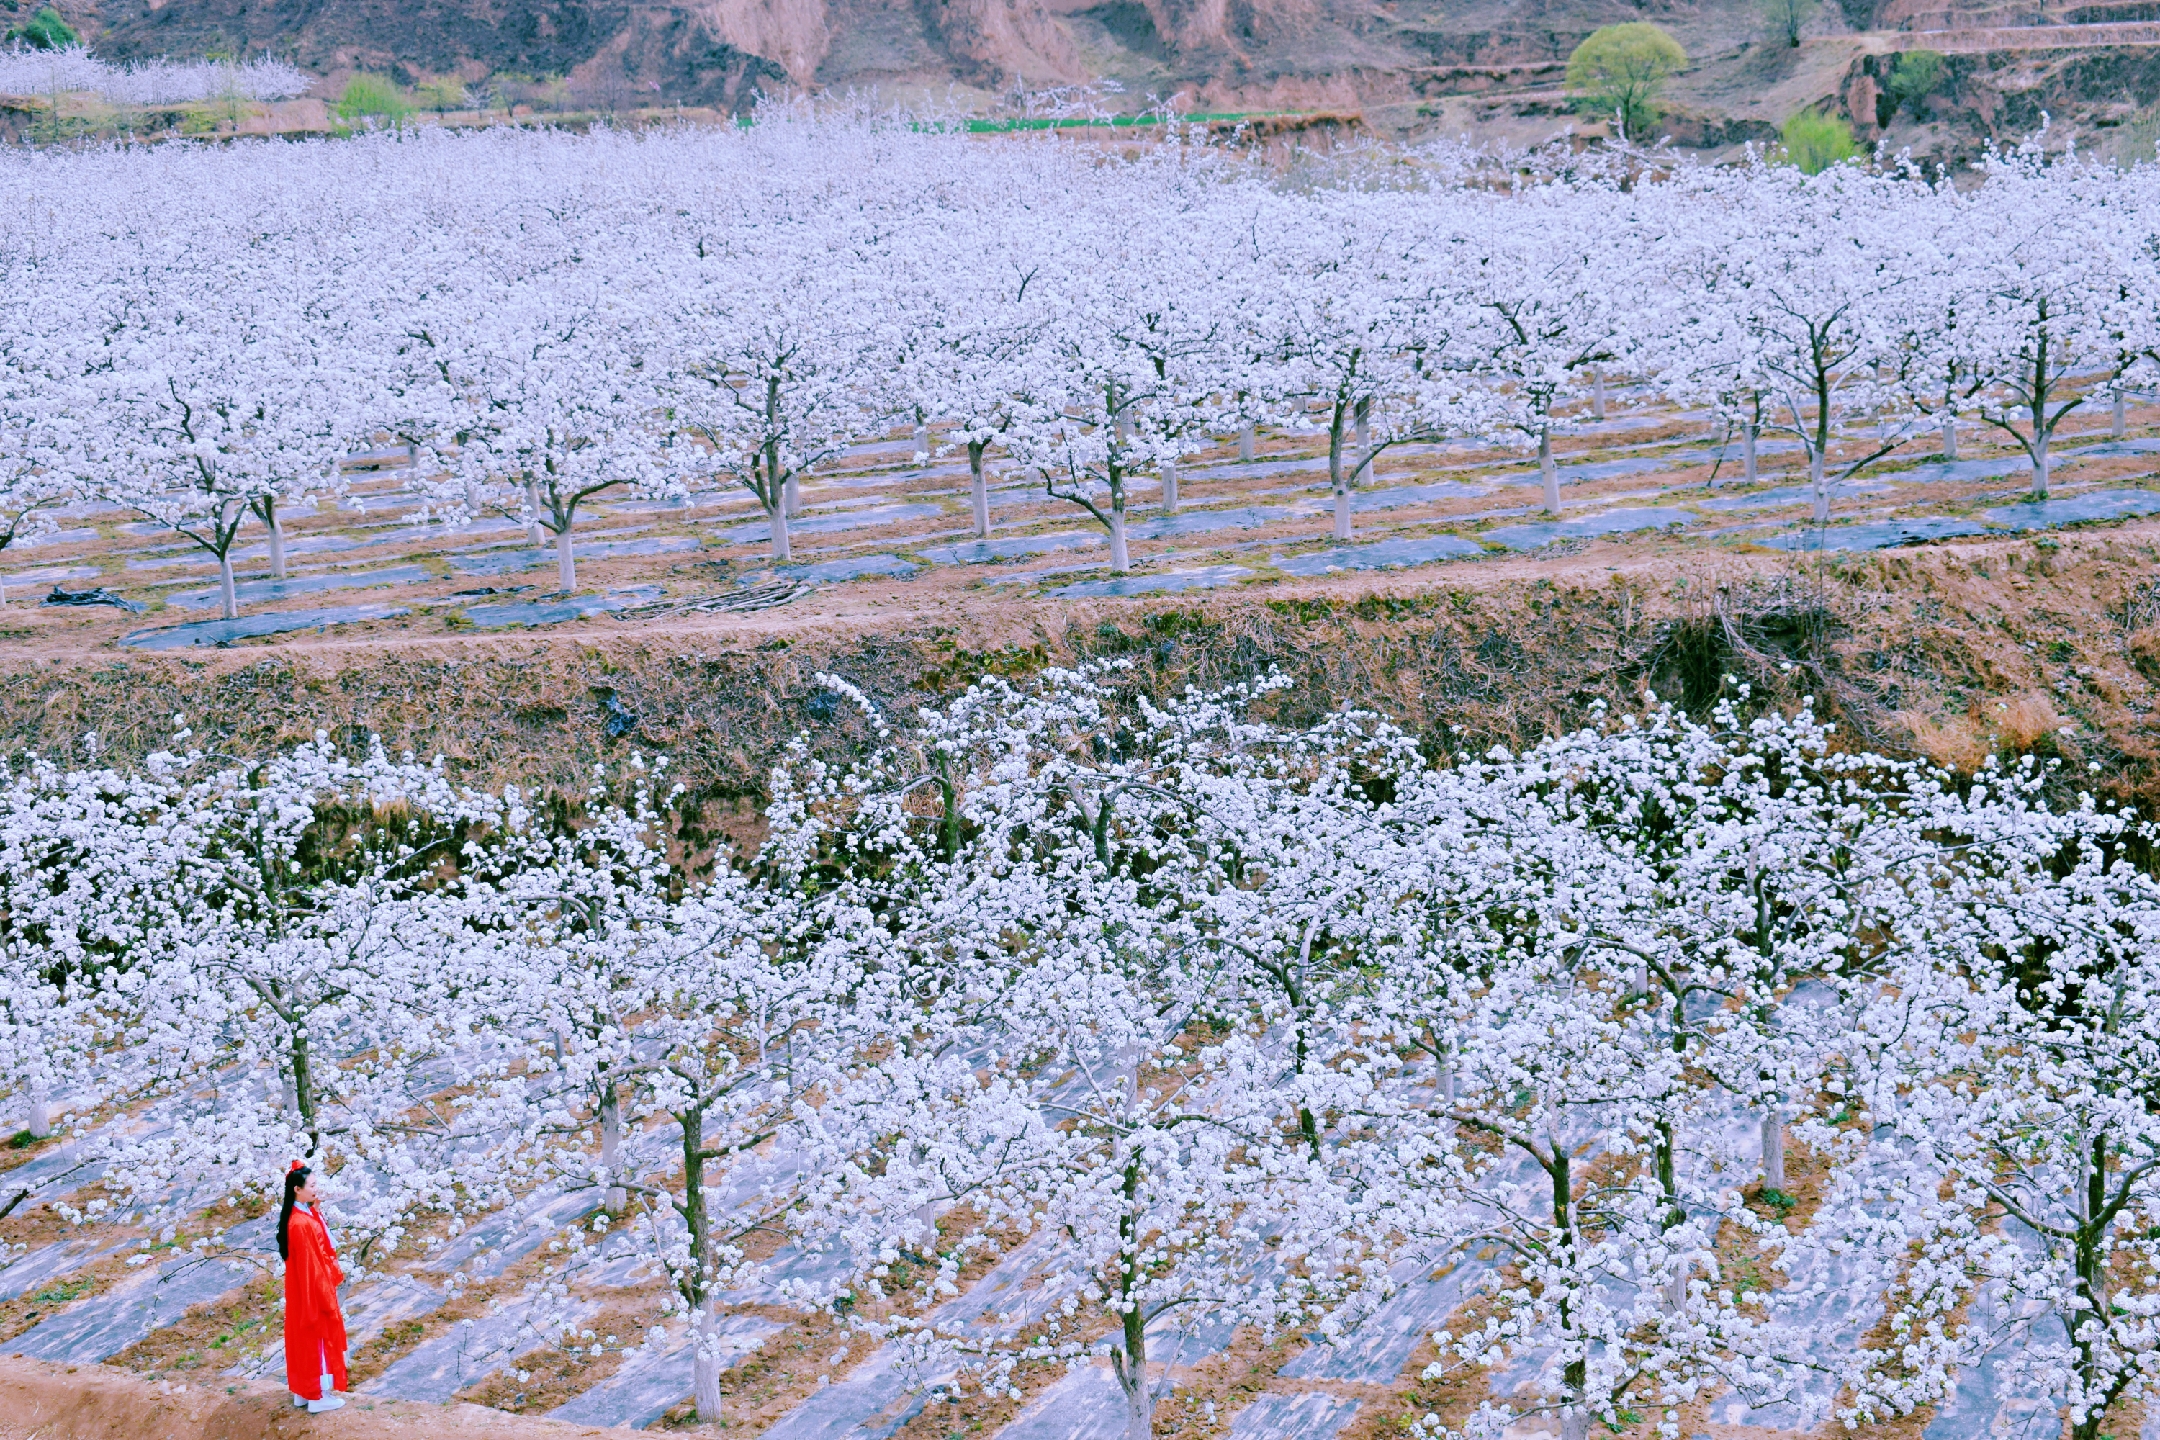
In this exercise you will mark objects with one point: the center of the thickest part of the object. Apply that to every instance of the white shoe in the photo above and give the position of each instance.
(299, 1401)
(325, 1405)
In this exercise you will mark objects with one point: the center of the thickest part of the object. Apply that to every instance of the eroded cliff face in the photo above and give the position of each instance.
(1248, 53)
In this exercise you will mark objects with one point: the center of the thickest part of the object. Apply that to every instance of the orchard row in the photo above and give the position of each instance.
(1235, 1022)
(202, 335)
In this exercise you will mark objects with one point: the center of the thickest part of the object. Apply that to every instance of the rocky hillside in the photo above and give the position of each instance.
(1492, 69)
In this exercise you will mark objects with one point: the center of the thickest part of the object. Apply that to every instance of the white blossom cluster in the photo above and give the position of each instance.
(201, 334)
(1684, 1031)
(24, 71)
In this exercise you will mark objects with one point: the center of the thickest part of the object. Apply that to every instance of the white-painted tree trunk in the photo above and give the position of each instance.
(1818, 487)
(472, 497)
(565, 561)
(1949, 435)
(617, 1198)
(227, 600)
(533, 532)
(922, 443)
(1597, 395)
(979, 491)
(1343, 510)
(1246, 439)
(705, 1363)
(1139, 1395)
(2040, 464)
(1118, 560)
(2118, 422)
(1773, 1149)
(1548, 471)
(779, 517)
(1169, 486)
(1575, 1424)
(40, 1111)
(1748, 466)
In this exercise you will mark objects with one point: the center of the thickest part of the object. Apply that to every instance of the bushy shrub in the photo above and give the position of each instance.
(1815, 142)
(45, 31)
(372, 97)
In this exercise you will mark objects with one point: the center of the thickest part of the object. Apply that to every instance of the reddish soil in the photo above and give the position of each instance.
(41, 1401)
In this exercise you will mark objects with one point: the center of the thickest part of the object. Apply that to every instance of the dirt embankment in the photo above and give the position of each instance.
(42, 1401)
(1958, 651)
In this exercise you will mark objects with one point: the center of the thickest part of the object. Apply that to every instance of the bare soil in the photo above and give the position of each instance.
(42, 1401)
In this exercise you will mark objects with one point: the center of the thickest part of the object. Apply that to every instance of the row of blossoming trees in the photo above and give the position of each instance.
(202, 335)
(1225, 1020)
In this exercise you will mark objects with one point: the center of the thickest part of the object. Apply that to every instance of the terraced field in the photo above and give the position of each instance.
(878, 530)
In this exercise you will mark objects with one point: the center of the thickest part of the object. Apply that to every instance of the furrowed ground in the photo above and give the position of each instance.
(1941, 610)
(1940, 613)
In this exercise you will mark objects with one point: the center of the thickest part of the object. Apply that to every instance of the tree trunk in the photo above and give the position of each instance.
(1169, 486)
(1575, 1375)
(1363, 423)
(1597, 395)
(2118, 423)
(533, 532)
(2040, 463)
(1748, 466)
(1118, 559)
(472, 497)
(705, 1364)
(778, 516)
(696, 1284)
(1819, 487)
(1129, 1363)
(40, 1111)
(616, 1198)
(276, 523)
(1245, 438)
(1773, 1149)
(1337, 481)
(922, 444)
(1548, 471)
(303, 1088)
(1139, 1404)
(1949, 434)
(978, 488)
(565, 561)
(228, 602)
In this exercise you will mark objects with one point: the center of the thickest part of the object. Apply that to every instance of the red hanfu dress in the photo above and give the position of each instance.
(314, 1330)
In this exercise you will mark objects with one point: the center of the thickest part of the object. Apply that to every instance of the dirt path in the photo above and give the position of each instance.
(40, 1401)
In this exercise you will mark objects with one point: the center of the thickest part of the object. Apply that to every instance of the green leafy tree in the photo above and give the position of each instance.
(1815, 142)
(1787, 17)
(372, 97)
(45, 31)
(1913, 77)
(443, 95)
(1620, 69)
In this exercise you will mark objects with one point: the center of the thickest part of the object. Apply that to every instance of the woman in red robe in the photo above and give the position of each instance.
(314, 1330)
